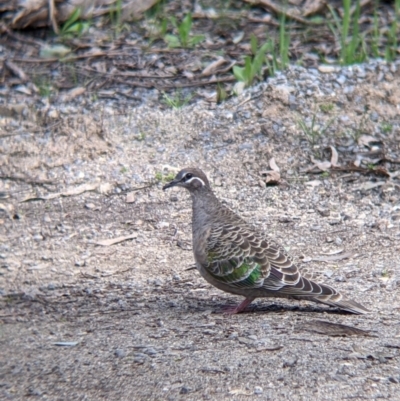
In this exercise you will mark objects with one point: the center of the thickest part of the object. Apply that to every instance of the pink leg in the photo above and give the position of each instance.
(240, 307)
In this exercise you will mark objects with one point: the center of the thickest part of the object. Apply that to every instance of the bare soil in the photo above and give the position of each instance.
(132, 320)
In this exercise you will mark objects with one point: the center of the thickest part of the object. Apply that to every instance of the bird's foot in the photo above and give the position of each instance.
(229, 310)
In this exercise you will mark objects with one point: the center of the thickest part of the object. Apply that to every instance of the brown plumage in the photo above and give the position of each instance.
(234, 257)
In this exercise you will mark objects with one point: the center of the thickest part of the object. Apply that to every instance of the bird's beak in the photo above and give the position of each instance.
(170, 184)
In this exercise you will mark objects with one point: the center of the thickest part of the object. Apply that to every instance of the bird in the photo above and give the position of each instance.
(237, 258)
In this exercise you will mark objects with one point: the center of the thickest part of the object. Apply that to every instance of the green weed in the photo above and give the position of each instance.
(393, 34)
(177, 100)
(312, 131)
(44, 86)
(252, 64)
(326, 107)
(161, 177)
(347, 32)
(184, 38)
(386, 128)
(74, 26)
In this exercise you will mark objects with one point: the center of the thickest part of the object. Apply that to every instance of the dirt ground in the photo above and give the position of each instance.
(86, 319)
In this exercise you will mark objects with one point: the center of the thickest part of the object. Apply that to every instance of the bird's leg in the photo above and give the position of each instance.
(240, 307)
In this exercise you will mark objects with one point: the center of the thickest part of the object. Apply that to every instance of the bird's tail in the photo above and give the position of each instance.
(346, 304)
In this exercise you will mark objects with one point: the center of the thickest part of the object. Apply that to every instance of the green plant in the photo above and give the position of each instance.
(325, 174)
(393, 34)
(177, 100)
(326, 107)
(221, 93)
(44, 86)
(184, 38)
(313, 131)
(280, 61)
(375, 33)
(116, 14)
(386, 128)
(74, 26)
(352, 47)
(161, 177)
(252, 64)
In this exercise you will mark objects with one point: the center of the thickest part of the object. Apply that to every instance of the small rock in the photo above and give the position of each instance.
(338, 241)
(119, 353)
(258, 390)
(289, 362)
(374, 116)
(184, 390)
(329, 240)
(51, 287)
(341, 79)
(323, 211)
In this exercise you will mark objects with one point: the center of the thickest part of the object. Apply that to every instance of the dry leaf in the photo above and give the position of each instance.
(69, 192)
(369, 185)
(313, 7)
(113, 241)
(212, 67)
(273, 165)
(334, 157)
(365, 140)
(323, 166)
(130, 197)
(73, 93)
(239, 391)
(333, 329)
(313, 183)
(271, 177)
(332, 258)
(17, 71)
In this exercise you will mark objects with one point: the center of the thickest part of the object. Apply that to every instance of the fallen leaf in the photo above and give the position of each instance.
(273, 165)
(334, 252)
(366, 140)
(16, 70)
(271, 177)
(334, 157)
(323, 166)
(73, 93)
(313, 7)
(366, 186)
(333, 329)
(55, 51)
(331, 258)
(239, 391)
(313, 183)
(130, 197)
(113, 241)
(212, 67)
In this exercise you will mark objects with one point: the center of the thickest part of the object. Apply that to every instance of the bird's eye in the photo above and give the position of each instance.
(188, 176)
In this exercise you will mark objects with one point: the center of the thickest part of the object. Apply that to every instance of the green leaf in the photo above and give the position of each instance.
(172, 41)
(196, 39)
(238, 72)
(253, 44)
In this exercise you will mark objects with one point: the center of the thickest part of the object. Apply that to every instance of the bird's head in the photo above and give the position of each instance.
(192, 179)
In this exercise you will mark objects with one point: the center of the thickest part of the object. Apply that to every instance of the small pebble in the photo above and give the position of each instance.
(119, 353)
(258, 390)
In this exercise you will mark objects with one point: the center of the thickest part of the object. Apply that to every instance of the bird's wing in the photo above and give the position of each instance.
(243, 259)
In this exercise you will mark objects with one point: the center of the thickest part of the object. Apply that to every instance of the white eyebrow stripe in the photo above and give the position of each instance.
(196, 178)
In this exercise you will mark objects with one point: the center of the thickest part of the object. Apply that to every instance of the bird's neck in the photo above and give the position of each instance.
(203, 205)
